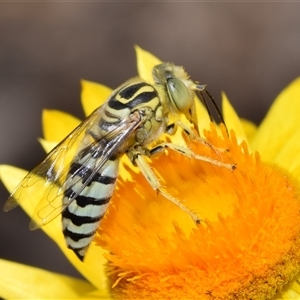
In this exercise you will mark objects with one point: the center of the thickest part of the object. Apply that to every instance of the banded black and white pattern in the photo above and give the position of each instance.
(82, 216)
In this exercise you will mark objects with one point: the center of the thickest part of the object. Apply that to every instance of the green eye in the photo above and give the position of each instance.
(179, 94)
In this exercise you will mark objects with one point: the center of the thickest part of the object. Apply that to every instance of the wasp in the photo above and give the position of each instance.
(84, 166)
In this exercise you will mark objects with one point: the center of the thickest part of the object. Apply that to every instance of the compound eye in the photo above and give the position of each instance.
(179, 94)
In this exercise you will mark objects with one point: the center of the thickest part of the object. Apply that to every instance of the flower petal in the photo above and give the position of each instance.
(202, 116)
(93, 95)
(57, 124)
(232, 120)
(249, 128)
(25, 282)
(48, 146)
(288, 156)
(279, 126)
(145, 63)
(92, 268)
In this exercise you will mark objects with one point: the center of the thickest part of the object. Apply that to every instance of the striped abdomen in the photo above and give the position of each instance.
(82, 216)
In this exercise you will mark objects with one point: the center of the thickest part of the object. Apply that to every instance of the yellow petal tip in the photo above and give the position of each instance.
(145, 63)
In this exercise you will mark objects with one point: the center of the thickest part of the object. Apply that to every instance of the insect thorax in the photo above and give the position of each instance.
(136, 96)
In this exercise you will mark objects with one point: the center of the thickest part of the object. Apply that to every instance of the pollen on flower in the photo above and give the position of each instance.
(246, 247)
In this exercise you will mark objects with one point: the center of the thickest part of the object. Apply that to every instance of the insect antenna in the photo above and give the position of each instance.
(202, 92)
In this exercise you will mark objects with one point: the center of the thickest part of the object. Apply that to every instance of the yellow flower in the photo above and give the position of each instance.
(247, 246)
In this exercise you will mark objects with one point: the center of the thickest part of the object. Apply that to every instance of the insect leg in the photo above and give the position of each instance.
(189, 153)
(172, 128)
(153, 181)
(187, 130)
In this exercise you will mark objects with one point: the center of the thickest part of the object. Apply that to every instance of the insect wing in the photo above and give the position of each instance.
(89, 160)
(52, 169)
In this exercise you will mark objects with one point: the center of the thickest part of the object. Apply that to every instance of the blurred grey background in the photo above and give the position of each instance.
(249, 50)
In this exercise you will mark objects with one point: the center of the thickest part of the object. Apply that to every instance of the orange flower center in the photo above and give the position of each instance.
(246, 247)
